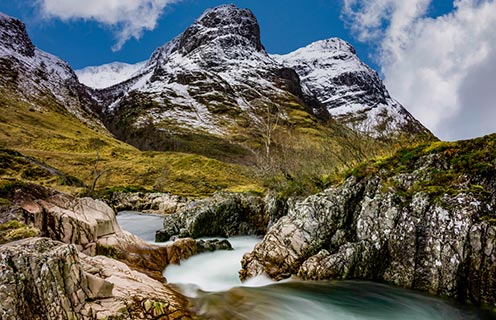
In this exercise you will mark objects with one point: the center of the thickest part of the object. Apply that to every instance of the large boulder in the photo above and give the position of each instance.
(223, 215)
(45, 279)
(161, 203)
(427, 225)
(92, 227)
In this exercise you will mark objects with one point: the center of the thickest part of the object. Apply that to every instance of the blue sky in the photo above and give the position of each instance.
(286, 25)
(437, 57)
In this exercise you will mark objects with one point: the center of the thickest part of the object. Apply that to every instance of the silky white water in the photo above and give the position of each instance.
(212, 279)
(213, 271)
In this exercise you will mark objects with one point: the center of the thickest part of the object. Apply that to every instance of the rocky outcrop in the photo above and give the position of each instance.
(88, 224)
(45, 279)
(42, 80)
(161, 203)
(419, 220)
(223, 215)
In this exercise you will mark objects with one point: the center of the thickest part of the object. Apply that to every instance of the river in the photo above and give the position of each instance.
(211, 279)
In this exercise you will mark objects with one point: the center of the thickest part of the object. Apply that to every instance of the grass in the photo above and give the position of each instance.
(305, 158)
(63, 142)
(461, 166)
(15, 230)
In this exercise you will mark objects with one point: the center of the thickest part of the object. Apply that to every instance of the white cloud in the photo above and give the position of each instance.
(441, 69)
(129, 18)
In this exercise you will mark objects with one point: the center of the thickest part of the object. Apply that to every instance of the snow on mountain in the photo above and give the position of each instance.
(351, 91)
(107, 75)
(40, 78)
(217, 72)
(212, 77)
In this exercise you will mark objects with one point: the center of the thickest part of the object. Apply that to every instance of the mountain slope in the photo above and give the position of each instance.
(350, 90)
(47, 115)
(216, 79)
(41, 79)
(107, 75)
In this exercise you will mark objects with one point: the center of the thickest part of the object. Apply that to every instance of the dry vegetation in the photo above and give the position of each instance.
(62, 142)
(291, 152)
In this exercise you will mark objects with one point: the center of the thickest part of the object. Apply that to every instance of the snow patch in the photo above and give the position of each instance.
(107, 75)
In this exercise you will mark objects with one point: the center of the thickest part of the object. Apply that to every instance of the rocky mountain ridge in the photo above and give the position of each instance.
(213, 85)
(39, 78)
(350, 90)
(217, 78)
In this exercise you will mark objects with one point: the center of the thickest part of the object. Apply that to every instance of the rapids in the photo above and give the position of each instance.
(211, 280)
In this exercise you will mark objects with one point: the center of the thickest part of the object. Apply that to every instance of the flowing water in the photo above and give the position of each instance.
(211, 279)
(142, 225)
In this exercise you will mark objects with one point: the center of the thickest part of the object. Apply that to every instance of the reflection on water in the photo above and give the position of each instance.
(212, 279)
(142, 225)
(340, 300)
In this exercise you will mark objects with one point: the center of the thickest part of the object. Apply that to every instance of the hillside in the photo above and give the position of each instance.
(216, 85)
(210, 110)
(423, 219)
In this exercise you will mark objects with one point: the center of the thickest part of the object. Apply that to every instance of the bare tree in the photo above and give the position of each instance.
(97, 172)
(267, 118)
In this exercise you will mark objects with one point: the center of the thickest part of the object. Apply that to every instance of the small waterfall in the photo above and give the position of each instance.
(211, 280)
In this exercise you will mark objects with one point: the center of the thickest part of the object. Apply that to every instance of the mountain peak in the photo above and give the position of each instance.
(332, 44)
(14, 37)
(227, 25)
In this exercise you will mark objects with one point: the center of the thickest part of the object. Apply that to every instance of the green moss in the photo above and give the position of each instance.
(12, 224)
(20, 233)
(15, 230)
(4, 202)
(460, 161)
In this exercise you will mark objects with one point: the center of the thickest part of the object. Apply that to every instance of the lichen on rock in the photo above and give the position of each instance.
(400, 222)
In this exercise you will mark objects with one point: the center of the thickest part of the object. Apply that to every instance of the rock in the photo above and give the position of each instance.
(91, 225)
(162, 203)
(223, 215)
(443, 243)
(212, 245)
(163, 236)
(45, 279)
(98, 287)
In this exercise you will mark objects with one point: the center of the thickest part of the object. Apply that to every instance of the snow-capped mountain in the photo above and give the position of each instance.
(38, 78)
(350, 90)
(107, 75)
(216, 77)
(213, 81)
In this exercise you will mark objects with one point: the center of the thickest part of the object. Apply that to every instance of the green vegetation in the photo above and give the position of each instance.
(80, 154)
(286, 150)
(450, 167)
(15, 166)
(15, 230)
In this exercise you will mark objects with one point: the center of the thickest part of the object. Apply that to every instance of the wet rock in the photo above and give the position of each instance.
(212, 245)
(162, 203)
(443, 244)
(223, 215)
(45, 279)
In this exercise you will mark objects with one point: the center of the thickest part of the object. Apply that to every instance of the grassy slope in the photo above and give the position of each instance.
(63, 142)
(466, 166)
(305, 155)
